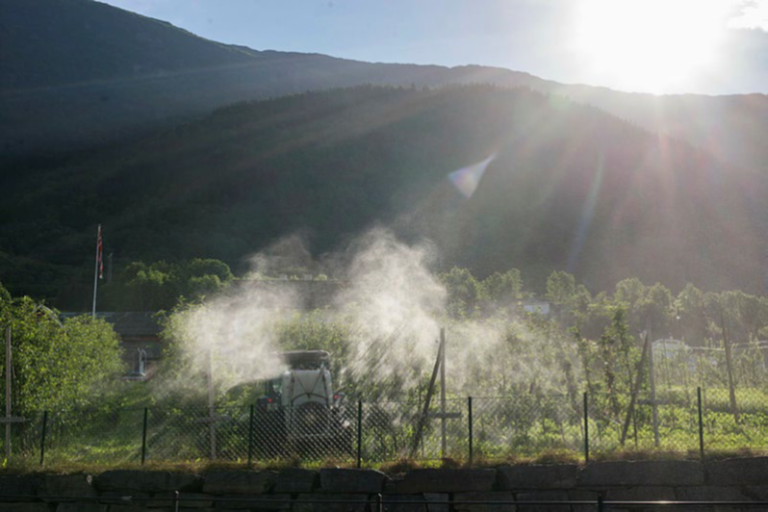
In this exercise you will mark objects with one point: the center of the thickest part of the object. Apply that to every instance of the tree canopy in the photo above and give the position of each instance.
(56, 364)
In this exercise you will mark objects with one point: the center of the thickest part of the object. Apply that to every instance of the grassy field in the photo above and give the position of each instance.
(535, 428)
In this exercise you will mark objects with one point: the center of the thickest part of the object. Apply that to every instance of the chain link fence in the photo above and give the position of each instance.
(681, 422)
(526, 426)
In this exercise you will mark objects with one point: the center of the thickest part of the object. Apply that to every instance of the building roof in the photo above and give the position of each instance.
(130, 324)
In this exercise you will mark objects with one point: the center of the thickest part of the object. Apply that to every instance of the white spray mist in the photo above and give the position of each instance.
(394, 305)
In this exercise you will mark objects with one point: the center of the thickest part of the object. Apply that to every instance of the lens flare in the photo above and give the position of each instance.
(587, 214)
(467, 179)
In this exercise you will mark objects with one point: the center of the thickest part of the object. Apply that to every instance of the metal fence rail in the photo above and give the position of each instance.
(380, 502)
(679, 423)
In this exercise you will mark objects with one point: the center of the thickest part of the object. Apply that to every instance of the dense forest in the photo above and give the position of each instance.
(569, 187)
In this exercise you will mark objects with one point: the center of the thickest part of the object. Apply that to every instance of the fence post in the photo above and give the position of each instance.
(469, 415)
(586, 429)
(359, 433)
(144, 437)
(250, 436)
(701, 424)
(42, 437)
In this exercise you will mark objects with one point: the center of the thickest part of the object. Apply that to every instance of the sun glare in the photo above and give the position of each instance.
(649, 45)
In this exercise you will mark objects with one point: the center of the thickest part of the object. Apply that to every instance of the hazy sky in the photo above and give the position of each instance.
(705, 46)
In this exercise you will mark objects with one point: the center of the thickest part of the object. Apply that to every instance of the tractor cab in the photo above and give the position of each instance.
(306, 379)
(300, 405)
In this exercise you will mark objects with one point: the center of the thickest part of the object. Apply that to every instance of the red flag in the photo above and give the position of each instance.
(100, 254)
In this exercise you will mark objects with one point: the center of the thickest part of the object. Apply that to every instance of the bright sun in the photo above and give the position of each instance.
(649, 45)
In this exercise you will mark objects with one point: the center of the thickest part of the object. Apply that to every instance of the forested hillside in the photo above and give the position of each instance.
(570, 188)
(78, 72)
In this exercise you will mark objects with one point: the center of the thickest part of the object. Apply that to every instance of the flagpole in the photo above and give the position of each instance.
(96, 271)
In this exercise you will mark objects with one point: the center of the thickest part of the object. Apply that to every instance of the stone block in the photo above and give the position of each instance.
(436, 501)
(391, 485)
(194, 500)
(711, 493)
(239, 482)
(21, 485)
(366, 481)
(295, 480)
(637, 473)
(147, 481)
(746, 471)
(641, 494)
(447, 480)
(129, 508)
(581, 495)
(490, 502)
(64, 487)
(81, 507)
(24, 507)
(511, 478)
(428, 502)
(543, 496)
(756, 492)
(404, 503)
(259, 502)
(331, 503)
(123, 498)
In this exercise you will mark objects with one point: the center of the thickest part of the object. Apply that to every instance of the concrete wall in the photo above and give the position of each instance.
(418, 490)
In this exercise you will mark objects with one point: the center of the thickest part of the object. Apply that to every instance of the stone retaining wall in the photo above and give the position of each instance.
(418, 490)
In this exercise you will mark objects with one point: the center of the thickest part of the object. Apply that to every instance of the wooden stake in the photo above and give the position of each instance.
(427, 402)
(211, 406)
(652, 375)
(729, 367)
(8, 370)
(442, 393)
(635, 390)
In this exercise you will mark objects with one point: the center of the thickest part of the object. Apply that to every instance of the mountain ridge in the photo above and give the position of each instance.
(202, 75)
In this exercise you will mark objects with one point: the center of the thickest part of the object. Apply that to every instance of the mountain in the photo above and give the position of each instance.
(570, 187)
(77, 72)
(111, 117)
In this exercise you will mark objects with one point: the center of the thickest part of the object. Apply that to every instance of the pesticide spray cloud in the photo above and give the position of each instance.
(392, 306)
(234, 334)
(393, 303)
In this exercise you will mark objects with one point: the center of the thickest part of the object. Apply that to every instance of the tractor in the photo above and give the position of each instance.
(299, 411)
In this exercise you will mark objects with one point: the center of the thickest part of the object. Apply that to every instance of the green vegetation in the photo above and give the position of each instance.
(571, 188)
(160, 285)
(57, 365)
(527, 377)
(526, 388)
